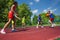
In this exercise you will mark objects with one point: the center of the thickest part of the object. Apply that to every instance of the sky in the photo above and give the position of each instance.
(39, 6)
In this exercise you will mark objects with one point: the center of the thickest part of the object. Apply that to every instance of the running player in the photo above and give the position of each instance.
(39, 21)
(23, 21)
(10, 18)
(51, 19)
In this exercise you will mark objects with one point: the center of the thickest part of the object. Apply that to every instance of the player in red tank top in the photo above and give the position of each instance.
(10, 18)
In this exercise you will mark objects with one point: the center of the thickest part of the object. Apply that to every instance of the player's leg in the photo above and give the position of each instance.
(13, 25)
(6, 25)
(23, 25)
(52, 23)
(37, 25)
(41, 24)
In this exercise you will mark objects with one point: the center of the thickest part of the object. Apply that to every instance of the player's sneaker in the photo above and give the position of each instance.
(36, 26)
(14, 30)
(54, 24)
(2, 32)
(42, 26)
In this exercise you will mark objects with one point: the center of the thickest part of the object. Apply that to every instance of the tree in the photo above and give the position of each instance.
(4, 8)
(44, 18)
(24, 10)
(35, 20)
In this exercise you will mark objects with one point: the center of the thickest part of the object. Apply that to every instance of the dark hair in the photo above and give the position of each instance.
(14, 2)
(48, 11)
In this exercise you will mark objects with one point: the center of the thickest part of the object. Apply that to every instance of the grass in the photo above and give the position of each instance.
(57, 39)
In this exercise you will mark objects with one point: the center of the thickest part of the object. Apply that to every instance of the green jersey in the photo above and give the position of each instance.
(23, 20)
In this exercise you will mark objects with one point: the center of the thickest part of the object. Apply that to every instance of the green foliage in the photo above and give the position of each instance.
(57, 19)
(24, 10)
(57, 39)
(4, 8)
(2, 24)
(34, 21)
(45, 19)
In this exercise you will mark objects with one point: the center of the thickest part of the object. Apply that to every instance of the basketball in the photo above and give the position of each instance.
(47, 14)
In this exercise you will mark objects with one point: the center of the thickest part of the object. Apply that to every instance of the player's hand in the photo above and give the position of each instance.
(19, 18)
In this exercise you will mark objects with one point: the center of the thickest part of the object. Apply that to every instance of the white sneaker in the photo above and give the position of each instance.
(42, 26)
(36, 26)
(2, 32)
(52, 25)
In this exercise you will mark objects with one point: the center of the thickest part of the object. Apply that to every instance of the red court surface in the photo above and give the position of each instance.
(32, 33)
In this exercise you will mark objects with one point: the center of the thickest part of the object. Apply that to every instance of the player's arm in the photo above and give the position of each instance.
(12, 8)
(17, 17)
